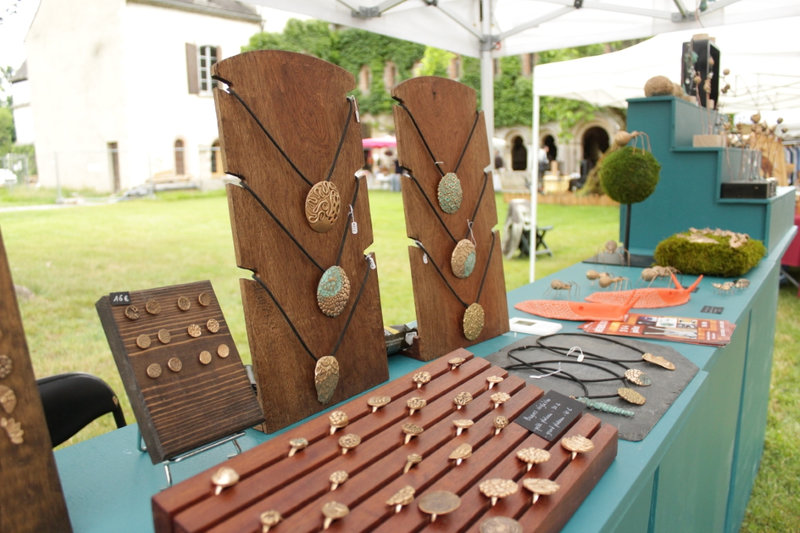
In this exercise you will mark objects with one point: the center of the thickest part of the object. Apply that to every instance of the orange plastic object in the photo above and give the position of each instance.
(568, 310)
(650, 297)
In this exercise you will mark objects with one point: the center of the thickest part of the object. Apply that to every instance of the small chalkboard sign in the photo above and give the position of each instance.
(550, 416)
(120, 298)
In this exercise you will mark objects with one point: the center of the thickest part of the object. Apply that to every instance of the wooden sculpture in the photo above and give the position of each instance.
(448, 197)
(301, 222)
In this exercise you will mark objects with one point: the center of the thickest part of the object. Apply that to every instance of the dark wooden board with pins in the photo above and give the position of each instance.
(456, 265)
(30, 491)
(295, 476)
(301, 223)
(180, 367)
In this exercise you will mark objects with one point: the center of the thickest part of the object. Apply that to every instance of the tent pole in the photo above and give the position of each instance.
(487, 81)
(534, 158)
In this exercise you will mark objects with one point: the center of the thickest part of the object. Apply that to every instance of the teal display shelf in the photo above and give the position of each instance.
(688, 192)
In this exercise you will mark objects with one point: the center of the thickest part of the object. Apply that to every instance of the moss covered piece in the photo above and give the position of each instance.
(714, 259)
(629, 175)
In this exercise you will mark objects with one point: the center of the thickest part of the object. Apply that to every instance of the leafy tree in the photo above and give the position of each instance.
(7, 134)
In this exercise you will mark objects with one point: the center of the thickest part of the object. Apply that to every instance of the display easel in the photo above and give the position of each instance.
(301, 102)
(445, 111)
(30, 491)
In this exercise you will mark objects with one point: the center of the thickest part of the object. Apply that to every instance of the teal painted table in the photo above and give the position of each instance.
(693, 472)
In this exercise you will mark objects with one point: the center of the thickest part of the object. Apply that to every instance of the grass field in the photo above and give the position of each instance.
(68, 258)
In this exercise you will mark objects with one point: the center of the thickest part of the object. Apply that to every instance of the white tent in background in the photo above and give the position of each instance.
(493, 28)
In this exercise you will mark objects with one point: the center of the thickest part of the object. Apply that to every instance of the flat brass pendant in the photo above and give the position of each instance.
(631, 396)
(326, 377)
(333, 291)
(450, 193)
(658, 360)
(462, 260)
(7, 399)
(473, 321)
(638, 377)
(322, 206)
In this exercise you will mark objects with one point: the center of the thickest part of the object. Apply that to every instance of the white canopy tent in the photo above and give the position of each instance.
(492, 28)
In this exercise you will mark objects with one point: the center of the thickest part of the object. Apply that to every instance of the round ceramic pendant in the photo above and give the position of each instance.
(462, 261)
(333, 291)
(473, 321)
(326, 377)
(322, 206)
(450, 193)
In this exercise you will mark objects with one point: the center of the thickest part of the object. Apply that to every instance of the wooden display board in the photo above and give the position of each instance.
(445, 114)
(300, 103)
(298, 486)
(180, 367)
(30, 491)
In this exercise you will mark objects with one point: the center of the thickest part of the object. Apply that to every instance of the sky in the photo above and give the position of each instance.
(17, 16)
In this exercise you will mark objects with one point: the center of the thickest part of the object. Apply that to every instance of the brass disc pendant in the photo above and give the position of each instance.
(473, 321)
(322, 206)
(326, 377)
(333, 291)
(631, 396)
(462, 260)
(450, 193)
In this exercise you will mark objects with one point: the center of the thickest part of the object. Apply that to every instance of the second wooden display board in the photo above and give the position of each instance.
(301, 222)
(448, 198)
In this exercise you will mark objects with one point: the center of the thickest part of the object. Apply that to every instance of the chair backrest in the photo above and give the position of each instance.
(73, 400)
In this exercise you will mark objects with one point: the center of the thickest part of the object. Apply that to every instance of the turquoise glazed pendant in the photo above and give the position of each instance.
(462, 260)
(450, 193)
(333, 291)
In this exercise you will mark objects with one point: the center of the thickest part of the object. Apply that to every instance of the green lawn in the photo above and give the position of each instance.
(68, 258)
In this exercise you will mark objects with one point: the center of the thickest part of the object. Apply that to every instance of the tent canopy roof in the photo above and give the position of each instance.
(524, 26)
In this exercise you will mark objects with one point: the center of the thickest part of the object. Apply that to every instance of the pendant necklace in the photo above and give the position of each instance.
(323, 202)
(647, 357)
(474, 318)
(333, 289)
(326, 369)
(449, 191)
(627, 394)
(462, 260)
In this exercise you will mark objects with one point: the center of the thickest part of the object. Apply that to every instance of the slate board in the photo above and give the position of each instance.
(667, 384)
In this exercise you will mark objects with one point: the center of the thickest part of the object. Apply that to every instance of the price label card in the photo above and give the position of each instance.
(120, 298)
(550, 416)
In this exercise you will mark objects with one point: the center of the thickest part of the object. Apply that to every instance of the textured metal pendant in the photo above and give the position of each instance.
(326, 377)
(631, 396)
(322, 206)
(462, 260)
(658, 360)
(450, 193)
(638, 377)
(473, 321)
(333, 291)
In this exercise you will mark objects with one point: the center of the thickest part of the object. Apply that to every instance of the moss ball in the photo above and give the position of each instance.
(706, 258)
(658, 86)
(629, 175)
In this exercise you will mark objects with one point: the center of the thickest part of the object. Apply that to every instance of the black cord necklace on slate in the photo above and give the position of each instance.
(474, 318)
(645, 356)
(326, 369)
(449, 190)
(333, 290)
(462, 260)
(322, 201)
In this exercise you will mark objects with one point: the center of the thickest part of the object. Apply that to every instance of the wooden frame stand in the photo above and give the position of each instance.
(285, 124)
(31, 499)
(179, 365)
(437, 120)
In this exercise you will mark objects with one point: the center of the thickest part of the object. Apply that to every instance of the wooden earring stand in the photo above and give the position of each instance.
(445, 112)
(301, 101)
(30, 491)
